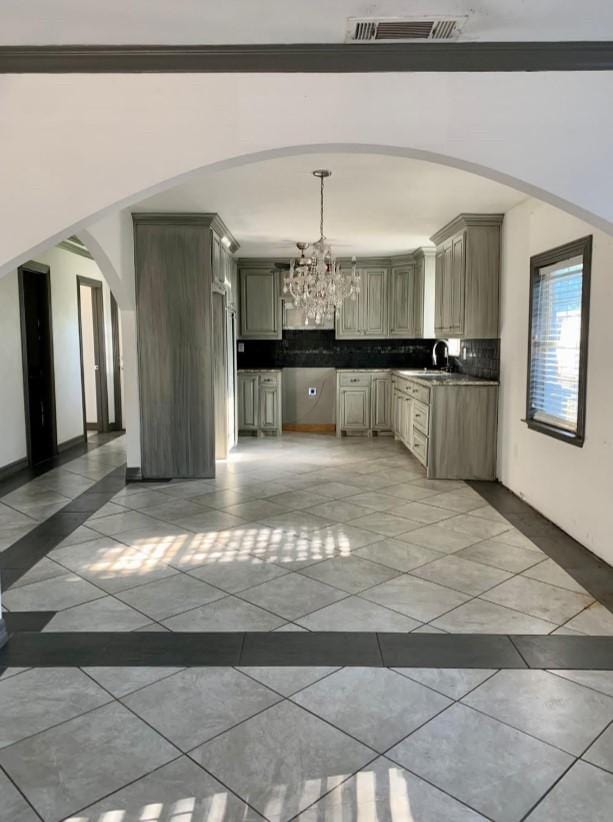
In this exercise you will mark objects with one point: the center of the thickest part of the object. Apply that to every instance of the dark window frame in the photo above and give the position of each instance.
(581, 247)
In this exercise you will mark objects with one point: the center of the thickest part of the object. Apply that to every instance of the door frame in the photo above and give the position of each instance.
(118, 424)
(102, 400)
(44, 271)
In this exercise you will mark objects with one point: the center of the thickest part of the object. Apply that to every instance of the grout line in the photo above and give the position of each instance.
(514, 644)
(18, 789)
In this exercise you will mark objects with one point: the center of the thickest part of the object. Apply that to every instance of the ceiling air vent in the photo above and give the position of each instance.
(394, 29)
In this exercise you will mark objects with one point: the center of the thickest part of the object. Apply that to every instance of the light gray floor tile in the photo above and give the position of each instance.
(150, 499)
(108, 509)
(553, 709)
(210, 520)
(421, 512)
(168, 597)
(122, 523)
(51, 594)
(283, 760)
(339, 510)
(335, 490)
(475, 527)
(341, 540)
(255, 509)
(417, 598)
(11, 534)
(441, 486)
(229, 614)
(357, 614)
(549, 571)
(438, 538)
(453, 682)
(79, 535)
(178, 792)
(122, 681)
(106, 614)
(178, 511)
(290, 626)
(538, 599)
(238, 575)
(598, 680)
(295, 500)
(461, 574)
(584, 793)
(292, 596)
(350, 574)
(120, 748)
(13, 671)
(199, 703)
(44, 569)
(396, 554)
(13, 807)
(428, 629)
(111, 565)
(287, 681)
(458, 501)
(601, 752)
(595, 620)
(409, 491)
(487, 512)
(42, 697)
(384, 792)
(500, 555)
(516, 538)
(375, 705)
(495, 769)
(296, 522)
(480, 617)
(382, 522)
(374, 500)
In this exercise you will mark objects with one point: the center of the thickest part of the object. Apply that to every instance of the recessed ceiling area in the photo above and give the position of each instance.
(39, 22)
(374, 204)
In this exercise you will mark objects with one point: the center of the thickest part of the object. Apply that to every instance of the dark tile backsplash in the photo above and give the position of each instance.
(482, 359)
(320, 349)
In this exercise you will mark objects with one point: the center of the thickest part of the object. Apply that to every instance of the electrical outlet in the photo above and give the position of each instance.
(312, 392)
(241, 348)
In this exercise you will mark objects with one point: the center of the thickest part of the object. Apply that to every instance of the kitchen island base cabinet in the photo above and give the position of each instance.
(259, 402)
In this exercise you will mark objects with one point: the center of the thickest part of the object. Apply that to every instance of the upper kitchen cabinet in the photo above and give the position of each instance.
(367, 314)
(260, 304)
(467, 276)
(406, 296)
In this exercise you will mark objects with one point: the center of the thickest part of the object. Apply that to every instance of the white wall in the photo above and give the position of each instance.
(569, 485)
(64, 266)
(13, 439)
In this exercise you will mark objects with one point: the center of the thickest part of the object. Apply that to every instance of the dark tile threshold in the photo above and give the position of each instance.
(281, 649)
(24, 475)
(17, 621)
(23, 555)
(593, 573)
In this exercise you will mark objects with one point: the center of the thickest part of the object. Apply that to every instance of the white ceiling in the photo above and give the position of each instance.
(374, 204)
(286, 21)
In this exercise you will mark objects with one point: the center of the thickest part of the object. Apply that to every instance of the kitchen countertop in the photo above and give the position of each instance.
(420, 376)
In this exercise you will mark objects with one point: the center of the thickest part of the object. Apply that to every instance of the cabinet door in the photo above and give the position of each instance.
(439, 287)
(348, 317)
(217, 261)
(354, 409)
(374, 304)
(260, 304)
(381, 401)
(247, 402)
(407, 422)
(456, 280)
(269, 407)
(401, 308)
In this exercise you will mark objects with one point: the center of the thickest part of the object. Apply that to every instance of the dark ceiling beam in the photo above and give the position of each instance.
(311, 58)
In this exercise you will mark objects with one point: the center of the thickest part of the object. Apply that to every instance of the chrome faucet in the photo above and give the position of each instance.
(435, 356)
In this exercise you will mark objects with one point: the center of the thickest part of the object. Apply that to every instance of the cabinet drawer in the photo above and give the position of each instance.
(269, 379)
(403, 386)
(355, 380)
(420, 446)
(420, 393)
(421, 416)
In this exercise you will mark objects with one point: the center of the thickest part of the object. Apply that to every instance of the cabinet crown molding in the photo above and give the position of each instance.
(465, 221)
(212, 221)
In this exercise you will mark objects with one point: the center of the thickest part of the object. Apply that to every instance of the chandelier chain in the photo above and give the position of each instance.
(321, 212)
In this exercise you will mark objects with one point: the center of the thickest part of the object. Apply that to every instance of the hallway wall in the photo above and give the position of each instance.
(65, 266)
(572, 486)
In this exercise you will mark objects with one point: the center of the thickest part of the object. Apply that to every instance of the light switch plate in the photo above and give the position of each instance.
(312, 392)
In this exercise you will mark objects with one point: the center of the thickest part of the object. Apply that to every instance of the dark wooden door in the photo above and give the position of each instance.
(37, 346)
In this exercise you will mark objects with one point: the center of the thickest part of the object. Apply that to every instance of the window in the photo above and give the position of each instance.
(557, 347)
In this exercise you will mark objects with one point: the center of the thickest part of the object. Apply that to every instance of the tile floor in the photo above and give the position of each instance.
(227, 744)
(305, 531)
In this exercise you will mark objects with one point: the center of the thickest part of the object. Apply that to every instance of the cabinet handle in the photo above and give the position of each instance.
(354, 379)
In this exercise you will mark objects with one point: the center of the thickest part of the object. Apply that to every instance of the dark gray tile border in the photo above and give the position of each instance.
(288, 649)
(593, 573)
(27, 620)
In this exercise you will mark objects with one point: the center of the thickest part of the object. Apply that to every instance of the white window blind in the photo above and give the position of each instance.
(556, 344)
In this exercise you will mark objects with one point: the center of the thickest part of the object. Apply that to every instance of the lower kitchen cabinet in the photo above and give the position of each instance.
(363, 402)
(259, 402)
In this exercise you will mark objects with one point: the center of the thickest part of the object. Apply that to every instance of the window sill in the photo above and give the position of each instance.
(556, 433)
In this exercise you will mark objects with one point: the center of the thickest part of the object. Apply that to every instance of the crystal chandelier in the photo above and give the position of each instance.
(315, 281)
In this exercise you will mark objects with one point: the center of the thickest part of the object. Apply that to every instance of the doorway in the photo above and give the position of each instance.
(93, 355)
(37, 360)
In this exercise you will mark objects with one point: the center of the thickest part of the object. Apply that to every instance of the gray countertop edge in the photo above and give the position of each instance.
(445, 378)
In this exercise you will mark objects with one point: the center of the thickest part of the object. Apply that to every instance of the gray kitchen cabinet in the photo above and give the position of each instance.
(349, 317)
(259, 402)
(406, 300)
(381, 402)
(467, 276)
(260, 304)
(366, 315)
(354, 409)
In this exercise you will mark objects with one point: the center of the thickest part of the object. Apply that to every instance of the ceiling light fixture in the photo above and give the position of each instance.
(315, 281)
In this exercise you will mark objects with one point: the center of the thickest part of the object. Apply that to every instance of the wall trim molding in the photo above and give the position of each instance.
(310, 428)
(310, 57)
(64, 446)
(13, 467)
